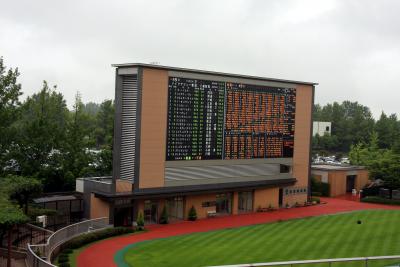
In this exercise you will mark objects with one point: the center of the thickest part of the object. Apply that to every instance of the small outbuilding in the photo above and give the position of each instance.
(342, 179)
(68, 207)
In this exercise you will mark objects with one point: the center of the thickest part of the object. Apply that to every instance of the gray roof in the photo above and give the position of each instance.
(54, 198)
(209, 72)
(328, 167)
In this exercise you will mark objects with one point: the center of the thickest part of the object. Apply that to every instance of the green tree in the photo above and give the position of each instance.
(382, 163)
(351, 123)
(42, 135)
(365, 153)
(104, 161)
(22, 190)
(91, 108)
(388, 129)
(10, 215)
(105, 124)
(387, 168)
(324, 144)
(77, 157)
(10, 91)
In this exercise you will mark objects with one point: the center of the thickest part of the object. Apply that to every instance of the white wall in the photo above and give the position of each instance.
(79, 185)
(321, 128)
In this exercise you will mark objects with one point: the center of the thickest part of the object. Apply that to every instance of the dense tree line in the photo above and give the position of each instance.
(353, 123)
(42, 138)
(374, 144)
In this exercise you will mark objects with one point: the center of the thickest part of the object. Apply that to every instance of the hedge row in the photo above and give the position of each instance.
(380, 200)
(90, 237)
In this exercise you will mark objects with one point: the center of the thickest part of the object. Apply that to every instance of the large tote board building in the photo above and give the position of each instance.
(222, 143)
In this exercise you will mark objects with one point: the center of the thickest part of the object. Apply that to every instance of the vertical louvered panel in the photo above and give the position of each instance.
(128, 127)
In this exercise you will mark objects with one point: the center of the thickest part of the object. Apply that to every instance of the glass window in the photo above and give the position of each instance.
(245, 201)
(175, 208)
(284, 168)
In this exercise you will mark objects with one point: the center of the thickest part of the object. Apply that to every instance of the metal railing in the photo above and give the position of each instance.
(24, 234)
(40, 255)
(362, 261)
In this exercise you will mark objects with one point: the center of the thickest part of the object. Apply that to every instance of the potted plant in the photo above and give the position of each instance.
(271, 208)
(192, 216)
(140, 221)
(164, 216)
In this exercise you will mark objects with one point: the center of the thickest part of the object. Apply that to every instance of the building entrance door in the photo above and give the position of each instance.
(280, 197)
(150, 212)
(123, 216)
(223, 203)
(350, 183)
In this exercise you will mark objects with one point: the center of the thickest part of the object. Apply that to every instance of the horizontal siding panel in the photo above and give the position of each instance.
(221, 171)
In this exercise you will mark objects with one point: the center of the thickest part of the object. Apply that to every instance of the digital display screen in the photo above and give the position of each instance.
(223, 120)
(259, 121)
(195, 119)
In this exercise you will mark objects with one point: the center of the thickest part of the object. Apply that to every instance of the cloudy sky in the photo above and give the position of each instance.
(350, 47)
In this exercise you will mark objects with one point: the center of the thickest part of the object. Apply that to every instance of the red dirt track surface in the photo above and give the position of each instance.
(101, 254)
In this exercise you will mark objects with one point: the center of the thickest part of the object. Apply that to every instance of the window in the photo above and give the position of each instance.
(245, 201)
(284, 168)
(175, 208)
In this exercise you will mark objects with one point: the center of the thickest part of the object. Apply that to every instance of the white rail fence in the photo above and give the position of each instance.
(40, 255)
(392, 261)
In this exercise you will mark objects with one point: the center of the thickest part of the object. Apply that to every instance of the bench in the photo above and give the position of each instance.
(211, 213)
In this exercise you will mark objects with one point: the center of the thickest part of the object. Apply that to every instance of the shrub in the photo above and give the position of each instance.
(63, 255)
(62, 260)
(67, 251)
(164, 216)
(371, 191)
(87, 238)
(140, 221)
(192, 216)
(379, 200)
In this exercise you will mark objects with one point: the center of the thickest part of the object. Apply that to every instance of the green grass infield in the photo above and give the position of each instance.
(332, 236)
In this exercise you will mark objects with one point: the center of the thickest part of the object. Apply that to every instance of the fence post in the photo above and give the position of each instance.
(366, 262)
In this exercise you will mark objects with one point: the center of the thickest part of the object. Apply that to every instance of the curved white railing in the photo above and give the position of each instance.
(40, 255)
(329, 262)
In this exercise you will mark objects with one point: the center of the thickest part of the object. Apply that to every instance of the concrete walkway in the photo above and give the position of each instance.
(101, 254)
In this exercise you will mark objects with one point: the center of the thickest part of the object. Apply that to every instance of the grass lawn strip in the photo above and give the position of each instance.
(332, 236)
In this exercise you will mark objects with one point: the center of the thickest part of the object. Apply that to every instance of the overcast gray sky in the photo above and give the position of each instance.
(350, 47)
